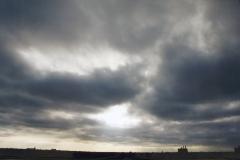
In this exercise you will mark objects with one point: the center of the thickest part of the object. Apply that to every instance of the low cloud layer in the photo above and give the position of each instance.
(175, 63)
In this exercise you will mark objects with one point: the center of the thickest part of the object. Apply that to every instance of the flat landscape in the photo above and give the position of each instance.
(33, 154)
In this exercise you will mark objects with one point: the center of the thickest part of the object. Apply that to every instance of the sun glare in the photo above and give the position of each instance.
(117, 117)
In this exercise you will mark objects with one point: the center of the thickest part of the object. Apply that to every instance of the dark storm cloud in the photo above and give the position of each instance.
(37, 23)
(193, 86)
(190, 77)
(198, 86)
(24, 97)
(65, 91)
(17, 100)
(102, 88)
(47, 21)
(196, 77)
(41, 119)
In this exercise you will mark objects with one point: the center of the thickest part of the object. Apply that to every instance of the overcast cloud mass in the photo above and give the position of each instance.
(147, 75)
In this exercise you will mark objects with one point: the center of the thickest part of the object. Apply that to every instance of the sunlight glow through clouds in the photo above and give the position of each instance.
(117, 117)
(112, 75)
(80, 61)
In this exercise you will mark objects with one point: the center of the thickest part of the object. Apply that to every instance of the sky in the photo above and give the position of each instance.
(120, 75)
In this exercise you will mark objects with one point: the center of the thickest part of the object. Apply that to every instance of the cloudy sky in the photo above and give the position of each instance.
(120, 75)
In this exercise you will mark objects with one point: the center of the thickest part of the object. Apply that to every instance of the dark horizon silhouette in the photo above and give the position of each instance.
(33, 153)
(119, 76)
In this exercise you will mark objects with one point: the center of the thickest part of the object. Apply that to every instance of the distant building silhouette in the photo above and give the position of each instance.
(237, 149)
(183, 149)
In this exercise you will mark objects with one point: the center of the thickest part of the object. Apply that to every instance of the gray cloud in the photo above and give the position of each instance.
(102, 88)
(194, 85)
(41, 22)
(131, 27)
(190, 77)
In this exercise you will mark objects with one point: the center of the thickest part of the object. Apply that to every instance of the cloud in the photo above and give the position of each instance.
(184, 73)
(189, 78)
(131, 27)
(42, 22)
(98, 89)
(26, 95)
(33, 94)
